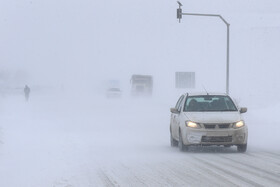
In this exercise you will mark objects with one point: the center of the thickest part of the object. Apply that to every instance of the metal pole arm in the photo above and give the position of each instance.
(211, 15)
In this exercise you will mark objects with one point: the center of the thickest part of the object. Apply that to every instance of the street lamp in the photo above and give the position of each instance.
(179, 16)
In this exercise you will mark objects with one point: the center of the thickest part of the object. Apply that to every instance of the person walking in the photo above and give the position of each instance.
(26, 92)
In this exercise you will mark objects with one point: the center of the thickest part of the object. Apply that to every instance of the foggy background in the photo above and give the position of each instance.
(82, 43)
(66, 50)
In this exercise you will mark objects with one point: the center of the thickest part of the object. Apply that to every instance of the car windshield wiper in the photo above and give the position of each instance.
(227, 110)
(194, 110)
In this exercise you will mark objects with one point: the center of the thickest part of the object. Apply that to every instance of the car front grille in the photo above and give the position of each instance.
(223, 126)
(219, 126)
(216, 139)
(209, 126)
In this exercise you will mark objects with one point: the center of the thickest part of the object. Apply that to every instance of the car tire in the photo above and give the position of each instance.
(242, 148)
(181, 145)
(173, 142)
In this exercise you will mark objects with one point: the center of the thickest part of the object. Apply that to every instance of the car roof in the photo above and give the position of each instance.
(204, 93)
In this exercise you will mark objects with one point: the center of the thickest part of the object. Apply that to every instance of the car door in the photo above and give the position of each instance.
(176, 120)
(173, 115)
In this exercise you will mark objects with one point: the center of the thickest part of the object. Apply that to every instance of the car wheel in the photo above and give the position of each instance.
(173, 142)
(242, 148)
(182, 146)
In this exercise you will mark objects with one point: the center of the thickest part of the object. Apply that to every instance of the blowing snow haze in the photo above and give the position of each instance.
(82, 42)
(68, 52)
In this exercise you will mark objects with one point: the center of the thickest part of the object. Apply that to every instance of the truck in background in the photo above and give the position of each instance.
(141, 85)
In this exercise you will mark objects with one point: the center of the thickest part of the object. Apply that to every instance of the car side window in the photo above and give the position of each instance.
(179, 103)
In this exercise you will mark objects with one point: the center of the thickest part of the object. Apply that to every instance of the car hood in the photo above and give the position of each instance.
(213, 117)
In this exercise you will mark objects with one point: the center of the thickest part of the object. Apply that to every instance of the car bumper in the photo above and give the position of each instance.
(215, 137)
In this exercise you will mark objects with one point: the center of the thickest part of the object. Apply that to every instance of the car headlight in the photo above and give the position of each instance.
(192, 124)
(238, 124)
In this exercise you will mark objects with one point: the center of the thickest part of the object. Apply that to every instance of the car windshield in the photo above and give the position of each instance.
(209, 103)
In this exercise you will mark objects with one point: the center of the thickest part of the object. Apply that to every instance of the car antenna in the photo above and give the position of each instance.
(205, 90)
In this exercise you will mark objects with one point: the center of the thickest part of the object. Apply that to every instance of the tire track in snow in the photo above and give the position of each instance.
(184, 172)
(274, 173)
(62, 183)
(158, 174)
(177, 174)
(181, 172)
(265, 156)
(135, 178)
(254, 171)
(273, 153)
(106, 179)
(122, 175)
(228, 172)
(252, 166)
(215, 180)
(254, 159)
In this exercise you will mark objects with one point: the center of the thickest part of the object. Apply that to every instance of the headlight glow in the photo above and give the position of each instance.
(239, 124)
(191, 124)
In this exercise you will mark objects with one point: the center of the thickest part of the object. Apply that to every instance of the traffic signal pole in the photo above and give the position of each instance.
(179, 16)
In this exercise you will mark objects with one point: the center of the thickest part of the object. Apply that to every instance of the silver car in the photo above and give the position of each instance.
(207, 119)
(113, 93)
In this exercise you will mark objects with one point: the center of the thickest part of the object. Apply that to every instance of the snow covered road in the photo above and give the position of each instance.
(200, 169)
(71, 141)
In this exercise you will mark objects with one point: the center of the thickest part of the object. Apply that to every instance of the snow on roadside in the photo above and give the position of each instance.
(70, 141)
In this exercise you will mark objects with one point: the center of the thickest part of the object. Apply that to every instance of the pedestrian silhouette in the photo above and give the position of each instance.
(26, 92)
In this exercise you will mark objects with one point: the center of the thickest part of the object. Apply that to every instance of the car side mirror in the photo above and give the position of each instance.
(243, 110)
(174, 110)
